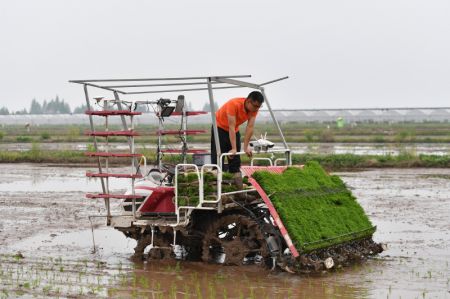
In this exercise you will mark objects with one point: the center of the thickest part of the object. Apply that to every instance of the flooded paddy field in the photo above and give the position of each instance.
(46, 244)
(325, 148)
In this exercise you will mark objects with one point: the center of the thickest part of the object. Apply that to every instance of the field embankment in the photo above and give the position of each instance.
(329, 161)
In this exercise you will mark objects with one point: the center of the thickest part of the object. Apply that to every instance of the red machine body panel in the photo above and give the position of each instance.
(159, 201)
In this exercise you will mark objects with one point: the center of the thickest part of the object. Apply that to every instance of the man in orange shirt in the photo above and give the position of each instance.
(229, 117)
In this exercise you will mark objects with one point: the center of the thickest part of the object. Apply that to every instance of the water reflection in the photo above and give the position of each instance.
(197, 280)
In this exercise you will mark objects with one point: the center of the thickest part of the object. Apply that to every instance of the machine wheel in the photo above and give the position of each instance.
(160, 240)
(234, 240)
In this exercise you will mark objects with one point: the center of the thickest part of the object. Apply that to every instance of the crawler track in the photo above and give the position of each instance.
(234, 240)
(162, 248)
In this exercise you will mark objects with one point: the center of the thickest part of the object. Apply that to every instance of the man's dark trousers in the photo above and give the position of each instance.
(234, 164)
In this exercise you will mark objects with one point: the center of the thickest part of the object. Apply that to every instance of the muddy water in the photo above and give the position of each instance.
(411, 208)
(44, 217)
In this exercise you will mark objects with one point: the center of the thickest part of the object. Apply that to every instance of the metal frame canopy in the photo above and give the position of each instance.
(182, 84)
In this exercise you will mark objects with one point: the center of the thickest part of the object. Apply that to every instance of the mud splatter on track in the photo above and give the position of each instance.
(44, 216)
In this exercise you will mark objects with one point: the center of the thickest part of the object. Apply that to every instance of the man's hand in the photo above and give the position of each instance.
(232, 152)
(248, 151)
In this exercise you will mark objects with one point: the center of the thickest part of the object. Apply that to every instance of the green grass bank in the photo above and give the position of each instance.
(330, 162)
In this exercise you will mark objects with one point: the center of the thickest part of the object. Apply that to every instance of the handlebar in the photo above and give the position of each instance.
(288, 151)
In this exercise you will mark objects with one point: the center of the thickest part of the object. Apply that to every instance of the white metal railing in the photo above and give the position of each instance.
(285, 151)
(261, 159)
(200, 186)
(201, 176)
(275, 163)
(219, 182)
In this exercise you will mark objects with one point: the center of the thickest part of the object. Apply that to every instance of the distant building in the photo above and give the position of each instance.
(283, 116)
(415, 115)
(366, 116)
(441, 115)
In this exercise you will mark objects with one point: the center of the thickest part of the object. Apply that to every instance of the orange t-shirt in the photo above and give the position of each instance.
(234, 107)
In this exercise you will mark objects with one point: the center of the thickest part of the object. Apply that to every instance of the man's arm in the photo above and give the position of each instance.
(232, 133)
(248, 135)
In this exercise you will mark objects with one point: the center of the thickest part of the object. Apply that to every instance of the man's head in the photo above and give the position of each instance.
(254, 101)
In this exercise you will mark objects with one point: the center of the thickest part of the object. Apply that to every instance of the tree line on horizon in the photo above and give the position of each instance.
(54, 106)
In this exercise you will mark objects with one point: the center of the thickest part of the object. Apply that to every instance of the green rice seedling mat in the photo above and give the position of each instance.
(317, 209)
(188, 190)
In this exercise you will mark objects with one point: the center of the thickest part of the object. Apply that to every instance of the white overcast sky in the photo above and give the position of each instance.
(338, 54)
